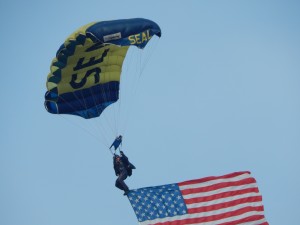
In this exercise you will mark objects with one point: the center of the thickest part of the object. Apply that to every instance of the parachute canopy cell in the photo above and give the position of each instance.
(85, 75)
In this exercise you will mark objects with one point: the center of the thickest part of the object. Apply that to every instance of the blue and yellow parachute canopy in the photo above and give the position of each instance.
(85, 75)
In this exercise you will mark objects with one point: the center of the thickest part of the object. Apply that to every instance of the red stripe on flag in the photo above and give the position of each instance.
(245, 220)
(214, 217)
(225, 205)
(221, 195)
(217, 186)
(205, 179)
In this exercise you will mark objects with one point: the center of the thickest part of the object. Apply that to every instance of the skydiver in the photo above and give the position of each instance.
(123, 168)
(117, 142)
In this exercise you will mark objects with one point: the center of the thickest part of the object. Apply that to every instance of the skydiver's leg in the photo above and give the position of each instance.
(118, 185)
(120, 181)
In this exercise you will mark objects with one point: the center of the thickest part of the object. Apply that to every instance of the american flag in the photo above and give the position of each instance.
(224, 200)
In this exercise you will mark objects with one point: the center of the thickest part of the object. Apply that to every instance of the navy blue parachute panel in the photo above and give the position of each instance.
(87, 103)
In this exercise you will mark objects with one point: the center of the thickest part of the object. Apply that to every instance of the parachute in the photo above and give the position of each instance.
(84, 76)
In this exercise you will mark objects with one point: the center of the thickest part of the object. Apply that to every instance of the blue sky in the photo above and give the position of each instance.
(219, 94)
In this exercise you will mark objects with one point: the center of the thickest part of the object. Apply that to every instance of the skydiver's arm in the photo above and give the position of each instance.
(124, 158)
(116, 168)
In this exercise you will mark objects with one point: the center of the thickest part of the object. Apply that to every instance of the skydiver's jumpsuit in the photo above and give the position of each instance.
(123, 169)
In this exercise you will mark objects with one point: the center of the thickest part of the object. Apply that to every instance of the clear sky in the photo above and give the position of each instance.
(219, 94)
